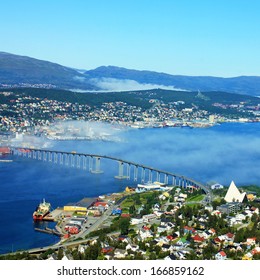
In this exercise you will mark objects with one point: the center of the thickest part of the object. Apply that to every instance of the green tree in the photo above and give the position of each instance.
(240, 236)
(124, 224)
(132, 209)
(60, 254)
(152, 256)
(209, 251)
(192, 256)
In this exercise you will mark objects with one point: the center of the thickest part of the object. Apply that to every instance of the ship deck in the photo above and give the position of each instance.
(53, 215)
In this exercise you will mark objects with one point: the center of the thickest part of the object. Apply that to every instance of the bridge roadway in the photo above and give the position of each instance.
(183, 180)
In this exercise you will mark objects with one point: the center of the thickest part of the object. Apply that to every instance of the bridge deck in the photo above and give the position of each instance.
(200, 185)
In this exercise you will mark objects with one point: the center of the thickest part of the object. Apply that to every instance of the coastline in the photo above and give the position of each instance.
(18, 139)
(59, 184)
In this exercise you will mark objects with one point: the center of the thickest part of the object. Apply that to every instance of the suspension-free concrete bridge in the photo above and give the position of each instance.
(92, 163)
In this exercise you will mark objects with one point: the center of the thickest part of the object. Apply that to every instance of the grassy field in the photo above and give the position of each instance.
(196, 198)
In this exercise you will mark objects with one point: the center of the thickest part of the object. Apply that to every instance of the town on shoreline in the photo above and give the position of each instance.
(41, 113)
(156, 221)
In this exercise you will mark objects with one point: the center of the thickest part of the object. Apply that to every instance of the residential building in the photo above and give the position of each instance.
(230, 207)
(221, 256)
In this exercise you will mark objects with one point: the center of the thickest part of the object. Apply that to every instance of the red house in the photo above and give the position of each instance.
(107, 249)
(197, 238)
(101, 203)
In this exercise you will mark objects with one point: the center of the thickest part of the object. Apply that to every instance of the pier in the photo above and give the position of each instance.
(49, 231)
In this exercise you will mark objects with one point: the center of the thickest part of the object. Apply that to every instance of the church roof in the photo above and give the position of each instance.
(233, 194)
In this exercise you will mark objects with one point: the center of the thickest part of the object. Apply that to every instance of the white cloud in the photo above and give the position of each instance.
(111, 84)
(79, 78)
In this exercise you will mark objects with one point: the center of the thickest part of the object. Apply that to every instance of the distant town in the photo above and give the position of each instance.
(34, 115)
(156, 221)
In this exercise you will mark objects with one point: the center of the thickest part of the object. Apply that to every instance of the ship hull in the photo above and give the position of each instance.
(39, 217)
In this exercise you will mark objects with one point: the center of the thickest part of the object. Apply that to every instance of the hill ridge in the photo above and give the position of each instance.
(17, 69)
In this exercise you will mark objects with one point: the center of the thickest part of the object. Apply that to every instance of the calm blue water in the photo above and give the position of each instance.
(222, 153)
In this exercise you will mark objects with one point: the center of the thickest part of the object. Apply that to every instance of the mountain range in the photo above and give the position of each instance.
(16, 70)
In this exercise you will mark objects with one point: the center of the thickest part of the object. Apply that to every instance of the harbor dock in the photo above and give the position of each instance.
(49, 231)
(53, 215)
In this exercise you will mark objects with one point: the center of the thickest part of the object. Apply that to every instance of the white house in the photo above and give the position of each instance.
(147, 218)
(145, 233)
(132, 247)
(120, 254)
(161, 229)
(221, 256)
(216, 187)
(136, 221)
(82, 248)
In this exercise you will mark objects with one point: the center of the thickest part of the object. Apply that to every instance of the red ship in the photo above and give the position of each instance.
(5, 150)
(41, 211)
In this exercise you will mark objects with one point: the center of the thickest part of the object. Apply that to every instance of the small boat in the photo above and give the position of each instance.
(6, 160)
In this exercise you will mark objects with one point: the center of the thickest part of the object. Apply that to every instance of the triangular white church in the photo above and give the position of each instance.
(234, 195)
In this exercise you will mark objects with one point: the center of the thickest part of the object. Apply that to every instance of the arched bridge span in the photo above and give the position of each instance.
(92, 162)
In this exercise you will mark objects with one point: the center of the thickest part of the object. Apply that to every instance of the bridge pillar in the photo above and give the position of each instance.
(158, 176)
(97, 166)
(150, 175)
(135, 173)
(72, 160)
(39, 155)
(55, 158)
(44, 156)
(128, 168)
(84, 162)
(66, 159)
(61, 159)
(120, 175)
(78, 161)
(143, 175)
(165, 179)
(50, 156)
(90, 164)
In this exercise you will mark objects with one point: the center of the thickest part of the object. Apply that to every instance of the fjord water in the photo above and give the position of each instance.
(221, 153)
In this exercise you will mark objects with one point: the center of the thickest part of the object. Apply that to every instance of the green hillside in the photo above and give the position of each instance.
(203, 101)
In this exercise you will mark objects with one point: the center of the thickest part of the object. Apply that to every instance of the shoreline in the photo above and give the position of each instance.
(186, 124)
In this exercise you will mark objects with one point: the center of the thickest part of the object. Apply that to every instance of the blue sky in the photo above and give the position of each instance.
(184, 37)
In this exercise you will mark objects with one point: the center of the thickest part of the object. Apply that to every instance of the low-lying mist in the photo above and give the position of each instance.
(30, 141)
(69, 130)
(220, 154)
(111, 84)
(85, 130)
(205, 155)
